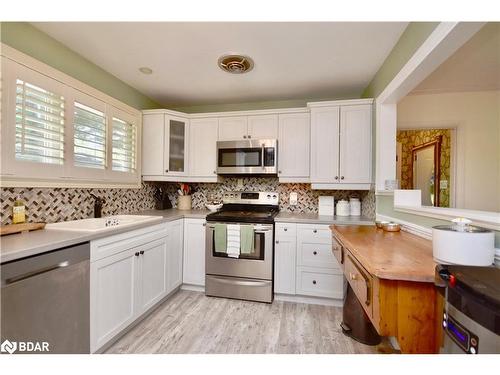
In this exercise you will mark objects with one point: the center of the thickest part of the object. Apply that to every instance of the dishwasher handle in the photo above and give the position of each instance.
(37, 272)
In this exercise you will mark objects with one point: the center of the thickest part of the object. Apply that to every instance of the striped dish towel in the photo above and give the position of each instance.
(233, 240)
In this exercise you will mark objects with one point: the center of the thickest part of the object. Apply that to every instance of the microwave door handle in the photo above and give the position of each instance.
(262, 157)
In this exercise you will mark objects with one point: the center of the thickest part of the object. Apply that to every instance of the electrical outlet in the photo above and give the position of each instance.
(293, 199)
(239, 184)
(443, 184)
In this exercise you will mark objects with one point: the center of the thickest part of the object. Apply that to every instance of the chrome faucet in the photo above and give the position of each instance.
(98, 202)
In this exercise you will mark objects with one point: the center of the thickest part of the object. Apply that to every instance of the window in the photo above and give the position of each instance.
(39, 124)
(123, 150)
(89, 137)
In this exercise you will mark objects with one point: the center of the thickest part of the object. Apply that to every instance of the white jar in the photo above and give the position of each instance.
(355, 206)
(343, 208)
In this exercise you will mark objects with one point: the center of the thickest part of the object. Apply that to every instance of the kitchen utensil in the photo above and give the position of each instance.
(18, 228)
(391, 227)
(343, 208)
(380, 223)
(184, 202)
(464, 244)
(355, 207)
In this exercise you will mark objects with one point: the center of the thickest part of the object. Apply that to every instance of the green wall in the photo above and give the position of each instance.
(31, 41)
(412, 38)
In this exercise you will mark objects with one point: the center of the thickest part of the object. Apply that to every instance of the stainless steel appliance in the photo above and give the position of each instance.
(256, 156)
(45, 298)
(250, 276)
(471, 319)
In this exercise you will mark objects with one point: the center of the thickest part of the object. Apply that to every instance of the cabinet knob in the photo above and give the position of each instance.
(279, 172)
(336, 177)
(166, 170)
(141, 252)
(315, 252)
(204, 224)
(352, 276)
(315, 231)
(245, 137)
(285, 229)
(249, 136)
(342, 177)
(215, 172)
(277, 241)
(314, 282)
(136, 254)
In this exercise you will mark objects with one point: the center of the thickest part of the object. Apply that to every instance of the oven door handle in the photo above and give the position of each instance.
(256, 230)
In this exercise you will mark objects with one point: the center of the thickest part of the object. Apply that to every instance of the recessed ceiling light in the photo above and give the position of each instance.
(235, 63)
(145, 70)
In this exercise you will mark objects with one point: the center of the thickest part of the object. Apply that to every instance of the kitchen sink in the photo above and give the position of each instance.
(102, 223)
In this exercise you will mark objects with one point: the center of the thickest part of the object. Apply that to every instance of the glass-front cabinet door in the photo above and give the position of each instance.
(176, 131)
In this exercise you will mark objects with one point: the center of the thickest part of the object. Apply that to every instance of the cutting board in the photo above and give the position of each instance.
(18, 228)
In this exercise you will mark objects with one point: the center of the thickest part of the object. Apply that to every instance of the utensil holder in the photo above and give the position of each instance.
(184, 202)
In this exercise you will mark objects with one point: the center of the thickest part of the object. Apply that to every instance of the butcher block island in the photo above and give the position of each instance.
(392, 275)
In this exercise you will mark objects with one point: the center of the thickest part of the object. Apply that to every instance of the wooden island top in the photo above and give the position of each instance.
(388, 255)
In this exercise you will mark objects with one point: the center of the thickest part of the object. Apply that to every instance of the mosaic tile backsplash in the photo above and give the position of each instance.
(61, 204)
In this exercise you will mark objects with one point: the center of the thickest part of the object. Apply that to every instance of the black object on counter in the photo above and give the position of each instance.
(355, 323)
(162, 202)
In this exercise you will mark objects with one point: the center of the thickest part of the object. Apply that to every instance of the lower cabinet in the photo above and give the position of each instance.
(194, 252)
(304, 262)
(129, 274)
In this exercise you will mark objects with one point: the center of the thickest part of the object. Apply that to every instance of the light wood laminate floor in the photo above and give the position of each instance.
(190, 322)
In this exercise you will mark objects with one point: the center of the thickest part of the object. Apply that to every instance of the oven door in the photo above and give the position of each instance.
(247, 157)
(256, 265)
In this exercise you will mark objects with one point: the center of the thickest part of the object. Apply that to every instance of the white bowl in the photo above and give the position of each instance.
(213, 207)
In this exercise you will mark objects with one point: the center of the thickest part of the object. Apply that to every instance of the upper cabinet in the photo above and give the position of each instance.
(341, 145)
(165, 144)
(293, 147)
(248, 127)
(202, 148)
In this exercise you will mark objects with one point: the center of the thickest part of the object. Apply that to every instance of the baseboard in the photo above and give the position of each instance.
(193, 288)
(412, 228)
(309, 300)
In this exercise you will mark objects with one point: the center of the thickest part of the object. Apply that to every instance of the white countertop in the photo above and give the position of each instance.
(16, 246)
(311, 218)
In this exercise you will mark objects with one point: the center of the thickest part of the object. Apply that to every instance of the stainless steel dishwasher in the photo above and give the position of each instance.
(45, 298)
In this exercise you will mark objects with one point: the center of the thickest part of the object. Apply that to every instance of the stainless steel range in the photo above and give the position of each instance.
(246, 274)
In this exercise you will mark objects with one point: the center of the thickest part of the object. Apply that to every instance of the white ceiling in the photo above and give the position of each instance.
(292, 60)
(473, 67)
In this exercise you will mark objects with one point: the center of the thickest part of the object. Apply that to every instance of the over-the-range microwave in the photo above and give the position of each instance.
(256, 156)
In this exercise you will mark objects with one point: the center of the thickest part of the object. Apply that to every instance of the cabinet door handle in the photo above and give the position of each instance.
(315, 252)
(136, 254)
(141, 252)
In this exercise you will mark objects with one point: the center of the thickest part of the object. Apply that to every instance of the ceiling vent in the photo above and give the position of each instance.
(235, 63)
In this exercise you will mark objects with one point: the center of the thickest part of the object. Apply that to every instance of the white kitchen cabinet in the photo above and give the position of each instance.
(285, 258)
(202, 148)
(304, 263)
(153, 138)
(164, 146)
(263, 127)
(174, 254)
(294, 147)
(113, 296)
(248, 127)
(325, 124)
(128, 275)
(341, 145)
(233, 128)
(355, 144)
(194, 252)
(153, 273)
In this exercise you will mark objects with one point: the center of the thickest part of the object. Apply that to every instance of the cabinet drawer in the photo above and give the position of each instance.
(316, 255)
(319, 282)
(360, 281)
(286, 230)
(338, 252)
(314, 233)
(114, 244)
